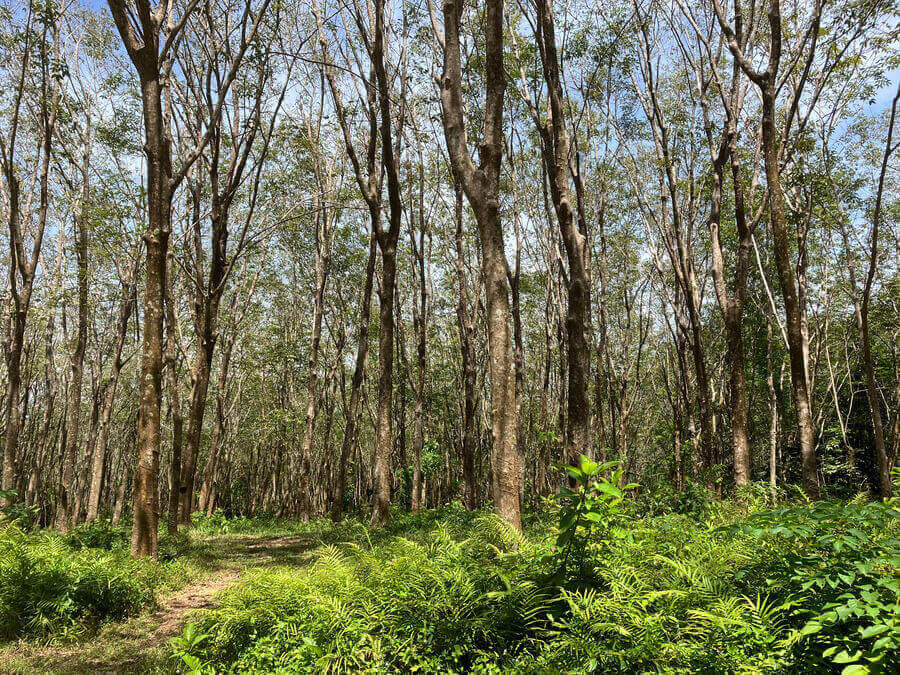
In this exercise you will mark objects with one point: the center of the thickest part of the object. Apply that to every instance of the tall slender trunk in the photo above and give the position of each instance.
(98, 462)
(65, 514)
(862, 320)
(420, 310)
(481, 185)
(381, 498)
(799, 381)
(556, 153)
(732, 303)
(351, 431)
(323, 250)
(794, 311)
(467, 354)
(208, 485)
(200, 374)
(144, 534)
(387, 243)
(773, 413)
(171, 359)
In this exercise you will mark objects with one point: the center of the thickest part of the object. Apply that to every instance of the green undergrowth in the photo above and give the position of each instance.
(732, 586)
(56, 587)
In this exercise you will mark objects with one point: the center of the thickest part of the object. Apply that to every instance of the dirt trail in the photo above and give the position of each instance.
(136, 645)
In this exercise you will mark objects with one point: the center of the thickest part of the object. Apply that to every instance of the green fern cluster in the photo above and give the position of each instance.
(440, 604)
(54, 587)
(449, 591)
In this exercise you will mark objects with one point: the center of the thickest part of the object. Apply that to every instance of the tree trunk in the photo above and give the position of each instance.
(481, 186)
(381, 498)
(467, 353)
(323, 246)
(778, 223)
(556, 154)
(98, 463)
(351, 431)
(144, 534)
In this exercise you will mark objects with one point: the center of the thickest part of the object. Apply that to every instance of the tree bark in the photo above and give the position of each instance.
(771, 141)
(481, 186)
(556, 153)
(65, 514)
(351, 432)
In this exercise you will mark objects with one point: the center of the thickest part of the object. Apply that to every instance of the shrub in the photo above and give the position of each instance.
(47, 588)
(99, 534)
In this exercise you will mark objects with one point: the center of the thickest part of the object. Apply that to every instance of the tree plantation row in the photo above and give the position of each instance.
(307, 258)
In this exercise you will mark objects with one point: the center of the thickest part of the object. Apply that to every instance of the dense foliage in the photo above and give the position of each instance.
(59, 586)
(726, 587)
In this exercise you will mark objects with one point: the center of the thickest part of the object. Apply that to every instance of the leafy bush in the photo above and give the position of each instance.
(587, 512)
(47, 588)
(17, 513)
(98, 534)
(839, 566)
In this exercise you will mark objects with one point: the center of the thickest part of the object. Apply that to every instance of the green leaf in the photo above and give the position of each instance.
(871, 631)
(810, 628)
(855, 669)
(567, 520)
(588, 467)
(846, 657)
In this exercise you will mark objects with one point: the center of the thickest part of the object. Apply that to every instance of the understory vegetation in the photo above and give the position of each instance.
(602, 579)
(637, 585)
(56, 586)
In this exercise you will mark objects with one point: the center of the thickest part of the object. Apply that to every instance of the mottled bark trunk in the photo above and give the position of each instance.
(171, 359)
(507, 461)
(144, 534)
(65, 513)
(381, 498)
(556, 151)
(387, 243)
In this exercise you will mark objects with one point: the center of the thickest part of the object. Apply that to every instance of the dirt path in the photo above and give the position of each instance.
(137, 645)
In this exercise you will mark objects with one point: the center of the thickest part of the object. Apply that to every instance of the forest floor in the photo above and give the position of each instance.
(139, 644)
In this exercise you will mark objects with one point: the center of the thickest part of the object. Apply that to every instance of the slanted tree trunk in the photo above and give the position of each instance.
(861, 313)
